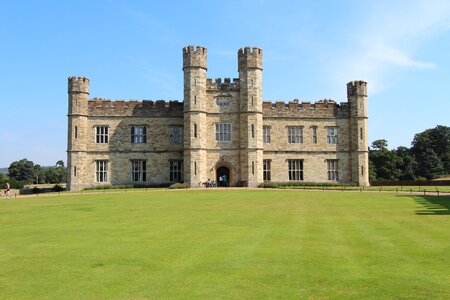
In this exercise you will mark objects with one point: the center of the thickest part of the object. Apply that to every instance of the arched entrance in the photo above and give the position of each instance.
(223, 171)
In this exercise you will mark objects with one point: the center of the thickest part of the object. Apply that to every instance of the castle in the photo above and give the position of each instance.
(220, 128)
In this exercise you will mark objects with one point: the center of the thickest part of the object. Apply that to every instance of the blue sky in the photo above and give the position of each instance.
(132, 50)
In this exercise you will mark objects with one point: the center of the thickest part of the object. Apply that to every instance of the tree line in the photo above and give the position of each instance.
(25, 172)
(427, 158)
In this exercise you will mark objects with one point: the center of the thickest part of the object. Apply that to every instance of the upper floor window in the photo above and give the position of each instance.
(295, 169)
(314, 134)
(295, 134)
(195, 130)
(332, 135)
(138, 134)
(101, 171)
(101, 134)
(361, 133)
(176, 170)
(76, 132)
(138, 170)
(332, 168)
(253, 131)
(175, 135)
(266, 134)
(223, 101)
(223, 132)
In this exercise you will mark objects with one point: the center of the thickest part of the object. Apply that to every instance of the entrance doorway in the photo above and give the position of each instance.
(223, 171)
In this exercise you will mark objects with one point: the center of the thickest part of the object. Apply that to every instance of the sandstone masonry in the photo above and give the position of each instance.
(222, 127)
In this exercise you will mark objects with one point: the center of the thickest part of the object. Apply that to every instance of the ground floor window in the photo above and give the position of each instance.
(176, 170)
(101, 171)
(138, 170)
(266, 169)
(332, 166)
(295, 169)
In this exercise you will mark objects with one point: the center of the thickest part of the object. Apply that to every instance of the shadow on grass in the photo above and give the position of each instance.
(432, 205)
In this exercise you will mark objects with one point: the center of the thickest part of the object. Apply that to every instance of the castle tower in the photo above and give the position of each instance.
(251, 147)
(357, 98)
(78, 90)
(194, 68)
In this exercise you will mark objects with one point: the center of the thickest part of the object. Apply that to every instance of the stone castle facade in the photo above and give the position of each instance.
(220, 128)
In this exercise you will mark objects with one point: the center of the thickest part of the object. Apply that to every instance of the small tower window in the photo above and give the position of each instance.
(252, 100)
(253, 131)
(362, 170)
(195, 130)
(361, 133)
(76, 132)
(195, 100)
(253, 168)
(74, 171)
(195, 168)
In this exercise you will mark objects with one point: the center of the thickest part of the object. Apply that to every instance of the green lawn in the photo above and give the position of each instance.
(239, 244)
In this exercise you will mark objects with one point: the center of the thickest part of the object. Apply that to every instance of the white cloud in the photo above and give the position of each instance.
(389, 38)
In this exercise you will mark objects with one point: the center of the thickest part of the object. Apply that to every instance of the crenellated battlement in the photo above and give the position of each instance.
(78, 84)
(249, 58)
(107, 107)
(195, 56)
(294, 108)
(226, 84)
(357, 87)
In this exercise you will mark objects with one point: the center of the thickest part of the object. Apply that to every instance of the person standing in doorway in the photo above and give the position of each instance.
(224, 178)
(220, 180)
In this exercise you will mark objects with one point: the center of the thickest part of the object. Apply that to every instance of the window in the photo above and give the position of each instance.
(332, 135)
(195, 130)
(101, 171)
(295, 135)
(253, 168)
(362, 170)
(138, 134)
(253, 131)
(266, 134)
(195, 168)
(175, 135)
(223, 102)
(361, 133)
(266, 169)
(74, 171)
(176, 170)
(101, 134)
(223, 132)
(332, 166)
(295, 169)
(138, 170)
(314, 134)
(76, 132)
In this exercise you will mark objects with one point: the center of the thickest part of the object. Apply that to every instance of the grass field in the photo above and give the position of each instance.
(238, 244)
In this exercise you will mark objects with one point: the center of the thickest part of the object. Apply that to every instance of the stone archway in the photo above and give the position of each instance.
(223, 171)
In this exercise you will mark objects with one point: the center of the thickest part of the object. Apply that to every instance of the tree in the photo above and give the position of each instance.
(379, 144)
(385, 164)
(430, 164)
(60, 164)
(409, 164)
(436, 139)
(22, 170)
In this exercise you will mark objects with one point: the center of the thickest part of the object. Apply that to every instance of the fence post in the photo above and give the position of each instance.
(410, 190)
(438, 193)
(15, 196)
(424, 192)
(396, 190)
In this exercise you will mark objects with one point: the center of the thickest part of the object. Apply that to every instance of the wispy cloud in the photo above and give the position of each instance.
(389, 39)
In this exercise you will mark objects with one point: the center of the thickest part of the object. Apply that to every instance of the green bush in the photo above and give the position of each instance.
(274, 185)
(58, 188)
(179, 186)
